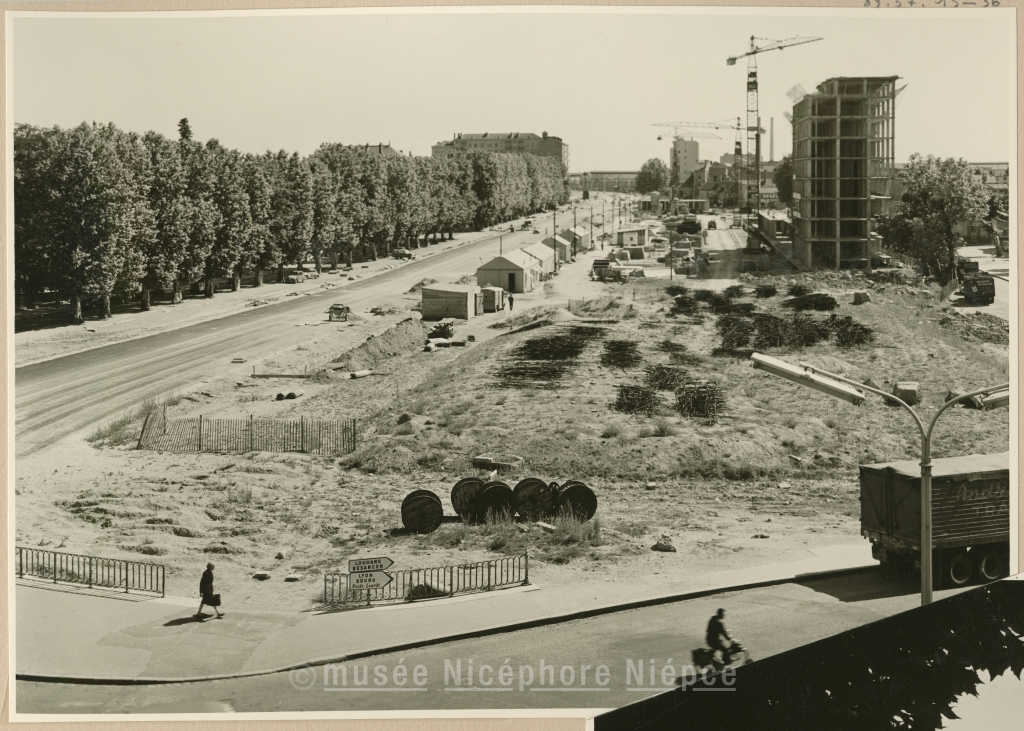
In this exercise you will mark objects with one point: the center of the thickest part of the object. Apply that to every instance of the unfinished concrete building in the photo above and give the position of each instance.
(843, 169)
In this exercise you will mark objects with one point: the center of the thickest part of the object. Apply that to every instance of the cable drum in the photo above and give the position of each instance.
(534, 498)
(464, 496)
(422, 512)
(496, 501)
(576, 499)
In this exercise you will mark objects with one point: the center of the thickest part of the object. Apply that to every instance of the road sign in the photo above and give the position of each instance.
(356, 565)
(369, 580)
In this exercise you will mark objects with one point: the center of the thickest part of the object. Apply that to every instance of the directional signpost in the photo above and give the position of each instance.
(366, 574)
(358, 565)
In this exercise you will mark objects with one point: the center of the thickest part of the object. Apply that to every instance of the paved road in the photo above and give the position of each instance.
(1000, 269)
(58, 397)
(768, 621)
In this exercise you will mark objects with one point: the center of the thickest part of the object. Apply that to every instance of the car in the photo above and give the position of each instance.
(536, 230)
(712, 224)
(403, 254)
(296, 278)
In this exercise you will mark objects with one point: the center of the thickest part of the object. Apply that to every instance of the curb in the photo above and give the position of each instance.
(441, 639)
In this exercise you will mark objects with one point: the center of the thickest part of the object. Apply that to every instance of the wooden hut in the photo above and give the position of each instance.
(515, 271)
(544, 256)
(561, 247)
(451, 300)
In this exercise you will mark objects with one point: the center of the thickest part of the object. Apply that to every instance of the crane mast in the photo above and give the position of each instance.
(751, 170)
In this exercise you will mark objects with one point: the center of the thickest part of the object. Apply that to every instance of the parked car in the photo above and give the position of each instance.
(536, 230)
(403, 254)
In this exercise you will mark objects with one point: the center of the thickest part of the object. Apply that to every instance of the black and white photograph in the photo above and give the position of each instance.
(515, 362)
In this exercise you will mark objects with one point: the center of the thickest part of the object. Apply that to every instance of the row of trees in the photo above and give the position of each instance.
(102, 213)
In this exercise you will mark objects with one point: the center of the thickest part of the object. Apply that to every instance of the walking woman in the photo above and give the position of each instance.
(206, 591)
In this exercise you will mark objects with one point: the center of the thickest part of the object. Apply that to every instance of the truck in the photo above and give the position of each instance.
(976, 287)
(970, 516)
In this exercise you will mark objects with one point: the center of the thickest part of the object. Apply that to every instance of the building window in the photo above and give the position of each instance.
(853, 229)
(852, 188)
(853, 209)
(823, 228)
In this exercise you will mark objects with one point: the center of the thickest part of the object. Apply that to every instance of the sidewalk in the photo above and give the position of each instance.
(72, 632)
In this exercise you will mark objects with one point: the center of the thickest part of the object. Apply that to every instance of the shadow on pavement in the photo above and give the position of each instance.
(865, 585)
(187, 620)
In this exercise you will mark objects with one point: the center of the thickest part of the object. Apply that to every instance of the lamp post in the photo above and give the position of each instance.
(843, 388)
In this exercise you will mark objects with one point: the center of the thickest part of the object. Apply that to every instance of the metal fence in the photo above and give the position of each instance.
(71, 568)
(429, 583)
(200, 434)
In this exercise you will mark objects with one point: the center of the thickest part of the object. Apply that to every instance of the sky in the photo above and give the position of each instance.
(599, 80)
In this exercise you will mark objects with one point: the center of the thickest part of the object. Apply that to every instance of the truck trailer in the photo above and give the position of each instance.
(970, 516)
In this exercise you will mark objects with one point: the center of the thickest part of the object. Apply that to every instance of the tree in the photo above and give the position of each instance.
(99, 214)
(653, 176)
(203, 217)
(938, 195)
(782, 176)
(35, 196)
(234, 230)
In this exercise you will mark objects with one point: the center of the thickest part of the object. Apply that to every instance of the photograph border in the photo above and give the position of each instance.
(507, 720)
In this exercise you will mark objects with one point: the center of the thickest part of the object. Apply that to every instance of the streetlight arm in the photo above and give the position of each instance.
(883, 394)
(958, 399)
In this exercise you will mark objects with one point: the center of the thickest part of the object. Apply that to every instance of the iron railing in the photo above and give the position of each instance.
(72, 568)
(434, 582)
(200, 434)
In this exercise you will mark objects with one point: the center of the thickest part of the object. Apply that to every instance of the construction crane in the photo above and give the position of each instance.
(753, 113)
(676, 126)
(720, 124)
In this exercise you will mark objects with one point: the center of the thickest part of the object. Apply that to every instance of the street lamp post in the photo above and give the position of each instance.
(839, 387)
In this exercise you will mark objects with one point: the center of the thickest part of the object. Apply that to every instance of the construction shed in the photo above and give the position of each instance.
(581, 235)
(451, 300)
(515, 271)
(628, 237)
(544, 255)
(561, 247)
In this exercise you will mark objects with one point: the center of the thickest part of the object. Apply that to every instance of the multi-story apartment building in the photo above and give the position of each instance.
(684, 158)
(527, 142)
(843, 168)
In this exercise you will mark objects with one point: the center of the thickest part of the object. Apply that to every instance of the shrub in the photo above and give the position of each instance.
(610, 431)
(734, 291)
(665, 378)
(764, 291)
(797, 290)
(637, 400)
(664, 428)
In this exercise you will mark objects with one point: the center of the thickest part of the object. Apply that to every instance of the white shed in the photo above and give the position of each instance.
(561, 247)
(515, 271)
(544, 255)
(451, 300)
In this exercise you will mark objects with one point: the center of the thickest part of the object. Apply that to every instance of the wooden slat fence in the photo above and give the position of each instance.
(200, 434)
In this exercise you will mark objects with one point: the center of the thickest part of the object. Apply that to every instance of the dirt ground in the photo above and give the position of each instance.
(773, 476)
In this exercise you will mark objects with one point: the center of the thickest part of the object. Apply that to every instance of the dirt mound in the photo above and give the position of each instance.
(405, 336)
(415, 289)
(978, 327)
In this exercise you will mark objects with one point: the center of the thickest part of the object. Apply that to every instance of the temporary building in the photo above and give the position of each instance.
(542, 254)
(631, 237)
(451, 300)
(515, 271)
(581, 235)
(561, 247)
(494, 298)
